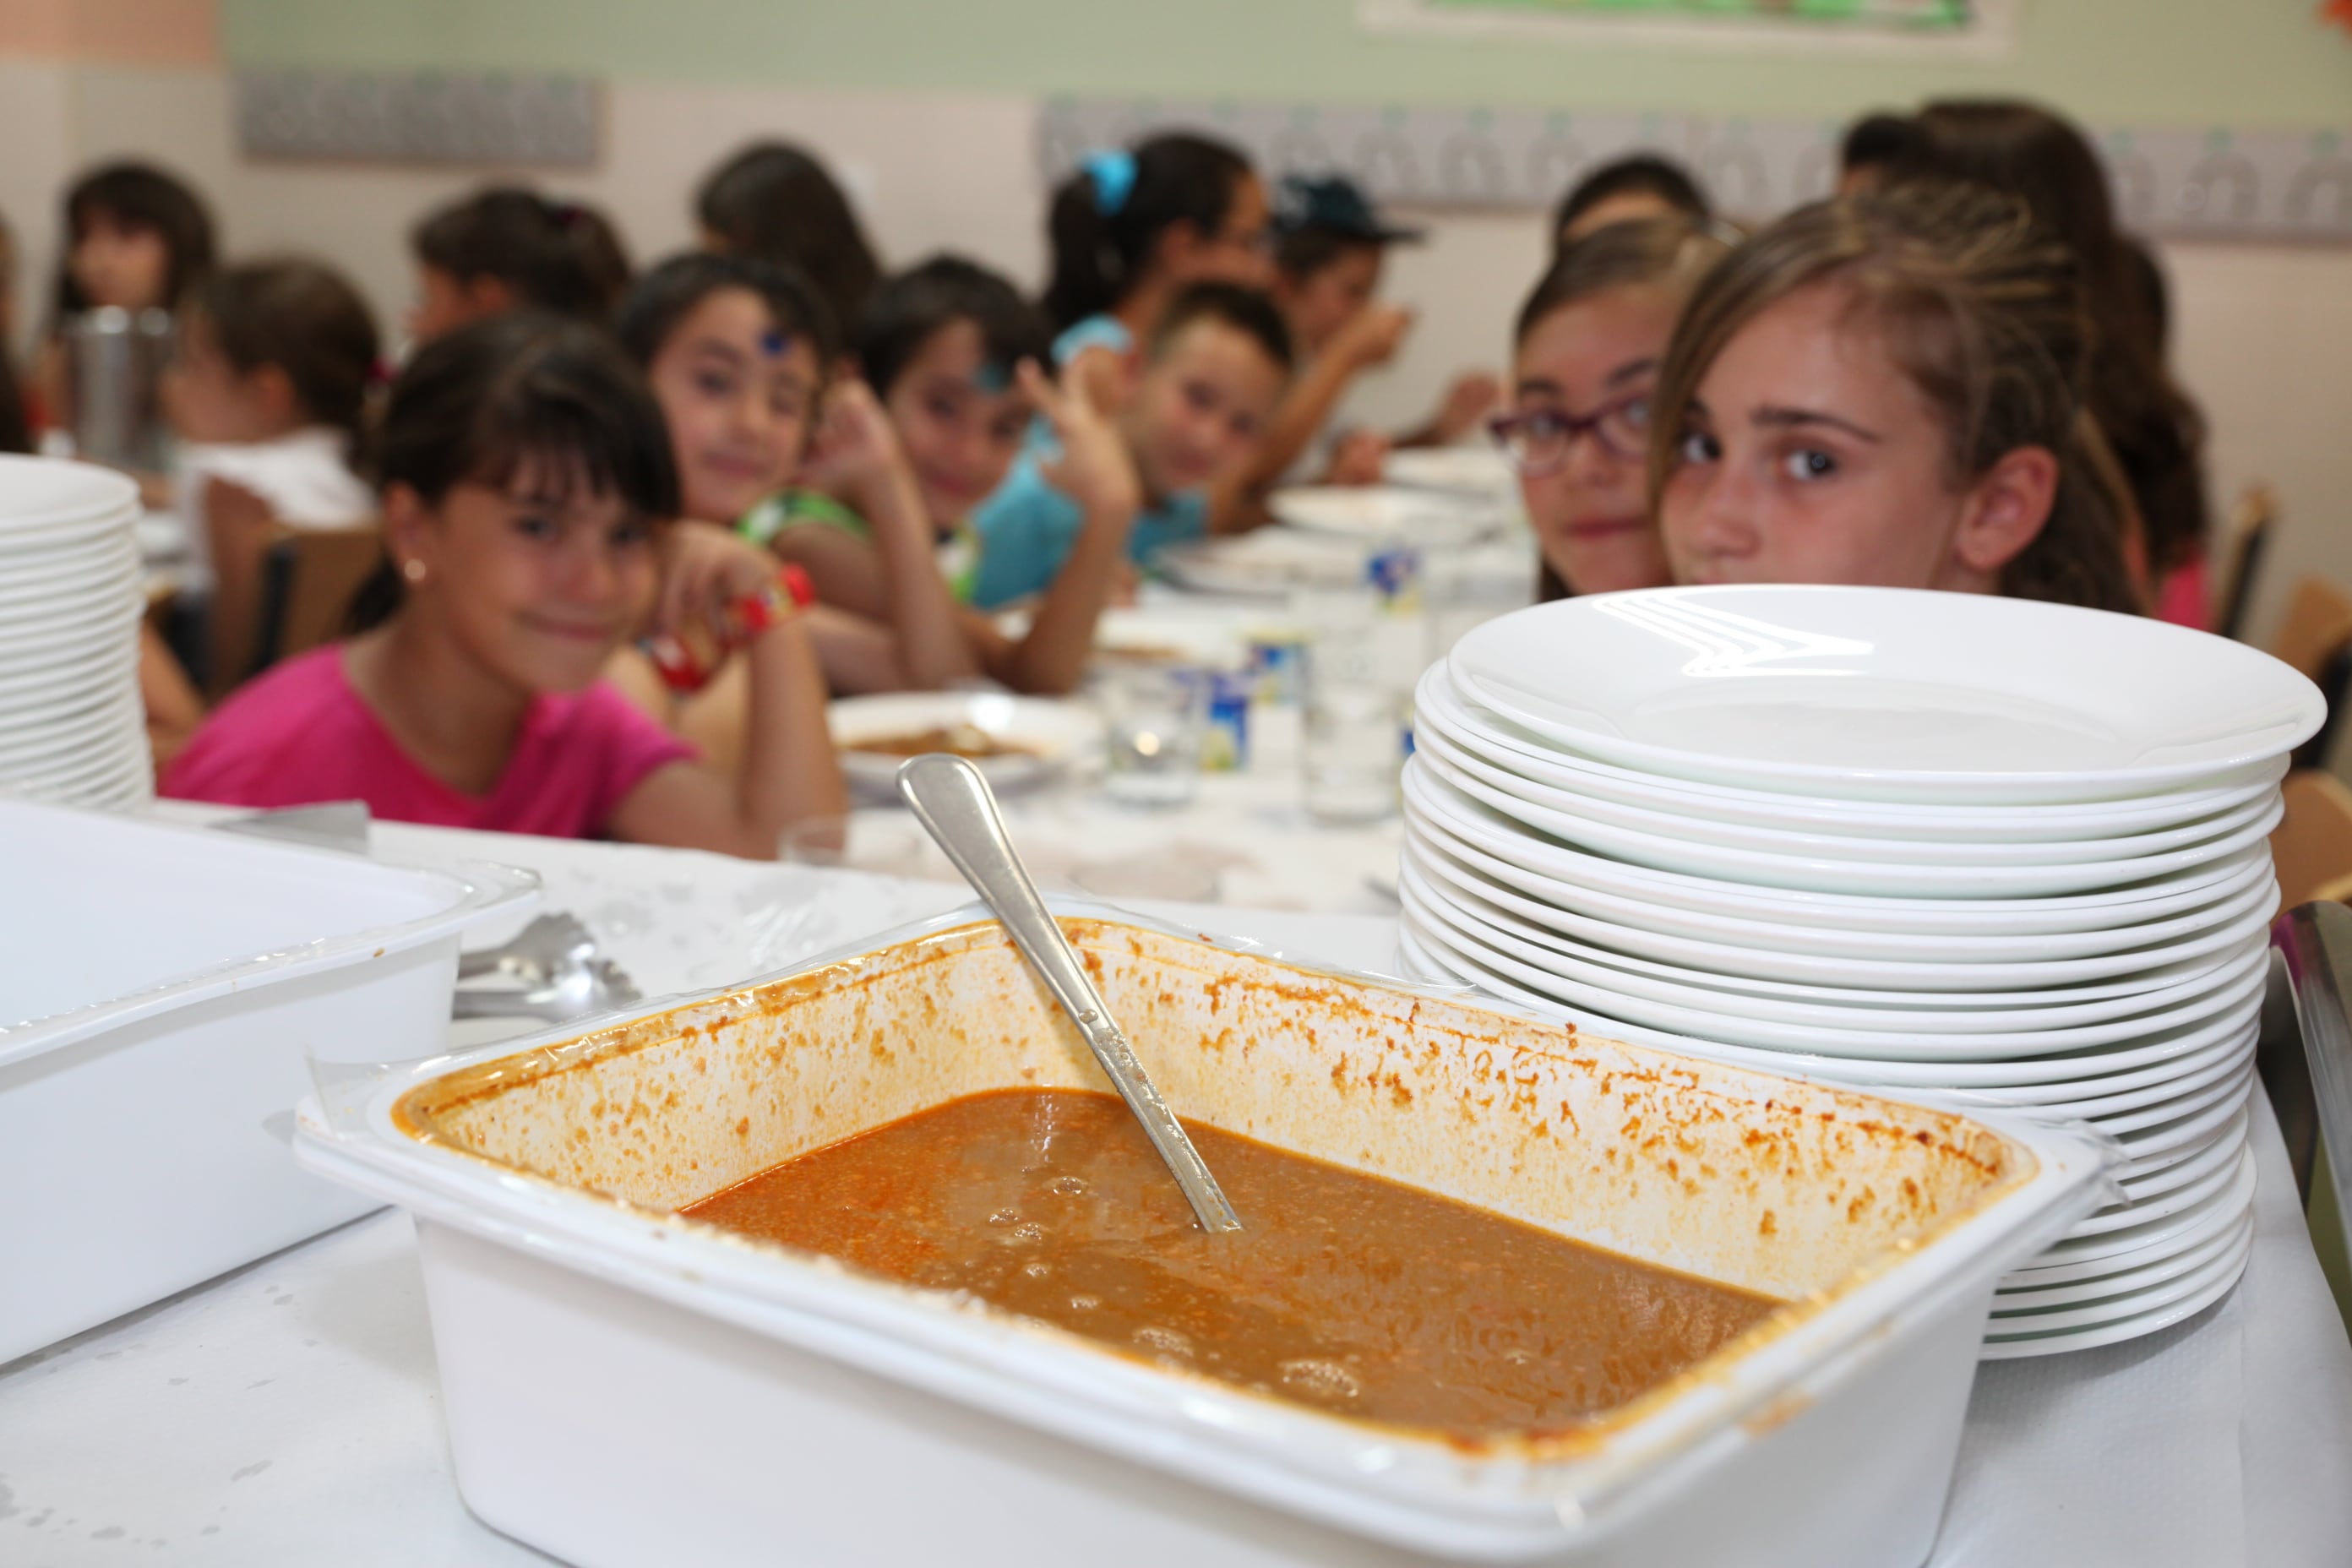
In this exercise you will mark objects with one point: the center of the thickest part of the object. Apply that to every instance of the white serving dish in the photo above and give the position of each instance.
(1889, 694)
(748, 1404)
(175, 981)
(1051, 733)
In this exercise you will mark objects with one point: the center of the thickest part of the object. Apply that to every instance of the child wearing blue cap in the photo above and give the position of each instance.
(1331, 246)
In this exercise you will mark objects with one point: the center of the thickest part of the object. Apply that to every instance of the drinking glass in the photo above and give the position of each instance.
(1156, 717)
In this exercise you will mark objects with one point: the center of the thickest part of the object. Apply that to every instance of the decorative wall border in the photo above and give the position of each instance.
(421, 117)
(2172, 182)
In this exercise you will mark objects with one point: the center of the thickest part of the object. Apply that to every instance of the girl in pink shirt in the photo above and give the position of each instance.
(527, 482)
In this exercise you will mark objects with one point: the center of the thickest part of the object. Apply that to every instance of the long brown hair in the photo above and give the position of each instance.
(1983, 312)
(2156, 433)
(1672, 252)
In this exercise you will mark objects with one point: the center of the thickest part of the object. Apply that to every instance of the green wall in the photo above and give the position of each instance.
(2246, 62)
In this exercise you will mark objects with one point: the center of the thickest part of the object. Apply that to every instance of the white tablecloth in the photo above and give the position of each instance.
(289, 1413)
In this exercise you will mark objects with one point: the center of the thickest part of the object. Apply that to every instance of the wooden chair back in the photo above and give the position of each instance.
(2315, 637)
(2242, 548)
(309, 583)
(2312, 846)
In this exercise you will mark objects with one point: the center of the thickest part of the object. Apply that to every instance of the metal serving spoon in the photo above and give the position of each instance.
(951, 800)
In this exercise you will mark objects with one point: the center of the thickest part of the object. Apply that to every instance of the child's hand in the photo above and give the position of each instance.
(1470, 397)
(1094, 468)
(855, 444)
(1372, 335)
(704, 570)
(1356, 458)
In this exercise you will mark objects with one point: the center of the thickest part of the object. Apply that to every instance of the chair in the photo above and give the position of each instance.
(2315, 637)
(2250, 524)
(2312, 846)
(308, 582)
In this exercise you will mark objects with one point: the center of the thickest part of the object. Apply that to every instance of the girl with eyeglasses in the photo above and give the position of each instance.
(1590, 342)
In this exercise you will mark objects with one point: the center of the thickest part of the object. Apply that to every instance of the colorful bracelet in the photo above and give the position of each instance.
(686, 667)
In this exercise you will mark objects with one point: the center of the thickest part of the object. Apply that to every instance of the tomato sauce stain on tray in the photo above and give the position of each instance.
(1349, 1293)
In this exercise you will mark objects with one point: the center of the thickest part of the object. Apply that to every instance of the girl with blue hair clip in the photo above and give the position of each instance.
(1129, 230)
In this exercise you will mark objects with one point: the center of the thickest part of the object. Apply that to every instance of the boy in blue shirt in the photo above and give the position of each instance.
(1215, 367)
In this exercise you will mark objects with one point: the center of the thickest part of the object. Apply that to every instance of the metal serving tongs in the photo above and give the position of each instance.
(951, 800)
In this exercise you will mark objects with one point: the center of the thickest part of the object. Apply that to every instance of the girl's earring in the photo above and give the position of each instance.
(412, 570)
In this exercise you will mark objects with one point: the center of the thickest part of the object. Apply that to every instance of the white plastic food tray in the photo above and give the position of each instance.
(161, 990)
(624, 1387)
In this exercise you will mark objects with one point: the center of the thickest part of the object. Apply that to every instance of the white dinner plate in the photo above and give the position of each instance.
(110, 756)
(1427, 793)
(41, 542)
(1266, 564)
(102, 548)
(1548, 974)
(2120, 1249)
(109, 563)
(43, 678)
(1884, 693)
(2206, 1283)
(1458, 962)
(2146, 1180)
(1732, 946)
(1929, 1012)
(1043, 735)
(2126, 1092)
(1732, 967)
(2131, 1215)
(72, 735)
(51, 615)
(2019, 1347)
(1461, 470)
(1982, 877)
(2037, 1296)
(1697, 842)
(38, 491)
(1205, 638)
(1376, 515)
(1438, 706)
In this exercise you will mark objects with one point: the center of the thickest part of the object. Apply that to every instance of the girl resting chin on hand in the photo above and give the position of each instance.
(527, 475)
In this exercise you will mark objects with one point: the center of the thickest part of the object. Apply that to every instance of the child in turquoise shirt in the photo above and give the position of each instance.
(1215, 367)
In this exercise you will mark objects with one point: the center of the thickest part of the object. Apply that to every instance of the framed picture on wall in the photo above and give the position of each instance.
(1930, 28)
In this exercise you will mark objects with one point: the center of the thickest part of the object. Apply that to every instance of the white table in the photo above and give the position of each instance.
(289, 1413)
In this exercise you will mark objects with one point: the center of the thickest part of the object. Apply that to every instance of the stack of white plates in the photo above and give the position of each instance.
(2012, 852)
(71, 724)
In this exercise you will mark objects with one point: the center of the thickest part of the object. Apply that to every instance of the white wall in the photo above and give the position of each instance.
(2265, 334)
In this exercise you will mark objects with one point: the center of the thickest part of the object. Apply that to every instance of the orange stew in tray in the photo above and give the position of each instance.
(1346, 1292)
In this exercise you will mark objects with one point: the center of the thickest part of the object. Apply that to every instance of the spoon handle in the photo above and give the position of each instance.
(952, 801)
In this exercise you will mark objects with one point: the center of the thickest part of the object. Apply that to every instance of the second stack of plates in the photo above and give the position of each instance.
(72, 727)
(2010, 852)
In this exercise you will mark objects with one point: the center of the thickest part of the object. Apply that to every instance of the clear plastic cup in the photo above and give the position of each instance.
(1156, 719)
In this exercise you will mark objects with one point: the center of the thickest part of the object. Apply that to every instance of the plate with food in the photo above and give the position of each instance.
(1015, 742)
